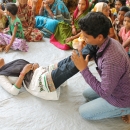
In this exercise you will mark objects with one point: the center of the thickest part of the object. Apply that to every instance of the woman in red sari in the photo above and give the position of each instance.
(65, 33)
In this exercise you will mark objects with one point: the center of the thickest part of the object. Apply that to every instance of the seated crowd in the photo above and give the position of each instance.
(31, 20)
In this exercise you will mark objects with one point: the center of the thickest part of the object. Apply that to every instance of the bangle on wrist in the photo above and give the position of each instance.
(16, 86)
(22, 74)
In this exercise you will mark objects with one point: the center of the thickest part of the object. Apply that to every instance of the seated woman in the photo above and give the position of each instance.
(64, 34)
(36, 5)
(103, 7)
(51, 12)
(25, 14)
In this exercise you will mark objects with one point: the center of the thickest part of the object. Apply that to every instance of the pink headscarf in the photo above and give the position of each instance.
(77, 10)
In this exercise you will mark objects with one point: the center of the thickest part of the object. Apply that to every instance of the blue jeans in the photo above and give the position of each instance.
(66, 67)
(97, 108)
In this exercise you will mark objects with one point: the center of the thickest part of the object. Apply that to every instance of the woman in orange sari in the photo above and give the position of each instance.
(27, 18)
(36, 5)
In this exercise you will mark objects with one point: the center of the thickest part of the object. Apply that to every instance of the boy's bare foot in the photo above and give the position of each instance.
(126, 118)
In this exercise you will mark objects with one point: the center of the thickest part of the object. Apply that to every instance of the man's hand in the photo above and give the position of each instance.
(79, 61)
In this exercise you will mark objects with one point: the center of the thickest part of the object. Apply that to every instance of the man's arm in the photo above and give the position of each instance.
(110, 76)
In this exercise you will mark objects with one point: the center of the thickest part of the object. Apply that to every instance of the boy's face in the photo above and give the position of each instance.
(118, 5)
(121, 16)
(127, 22)
(91, 40)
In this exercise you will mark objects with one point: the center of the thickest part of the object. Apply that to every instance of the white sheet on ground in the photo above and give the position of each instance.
(26, 112)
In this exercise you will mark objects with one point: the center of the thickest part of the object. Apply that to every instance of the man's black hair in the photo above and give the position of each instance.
(95, 23)
(127, 14)
(12, 8)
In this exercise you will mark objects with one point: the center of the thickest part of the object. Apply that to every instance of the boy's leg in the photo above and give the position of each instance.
(64, 71)
(66, 67)
(99, 109)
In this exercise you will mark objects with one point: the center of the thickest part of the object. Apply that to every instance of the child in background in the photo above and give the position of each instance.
(118, 22)
(125, 33)
(15, 30)
(103, 7)
(118, 5)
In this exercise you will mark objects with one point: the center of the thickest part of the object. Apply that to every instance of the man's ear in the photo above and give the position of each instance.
(100, 37)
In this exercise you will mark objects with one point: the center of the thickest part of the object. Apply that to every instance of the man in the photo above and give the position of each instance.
(110, 97)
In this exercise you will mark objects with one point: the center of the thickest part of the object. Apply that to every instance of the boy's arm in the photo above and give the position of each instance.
(12, 39)
(5, 83)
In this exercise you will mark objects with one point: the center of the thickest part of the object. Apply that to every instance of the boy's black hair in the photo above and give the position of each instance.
(123, 2)
(95, 23)
(127, 14)
(124, 8)
(12, 8)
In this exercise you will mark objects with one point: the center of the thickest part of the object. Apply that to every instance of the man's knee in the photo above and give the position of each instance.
(89, 112)
(85, 113)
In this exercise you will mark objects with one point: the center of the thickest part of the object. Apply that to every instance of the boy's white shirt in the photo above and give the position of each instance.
(35, 90)
(7, 83)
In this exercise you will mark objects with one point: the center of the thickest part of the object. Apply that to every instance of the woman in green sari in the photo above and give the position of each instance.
(65, 33)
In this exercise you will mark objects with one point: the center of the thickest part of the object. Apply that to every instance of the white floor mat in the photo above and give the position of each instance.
(26, 112)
